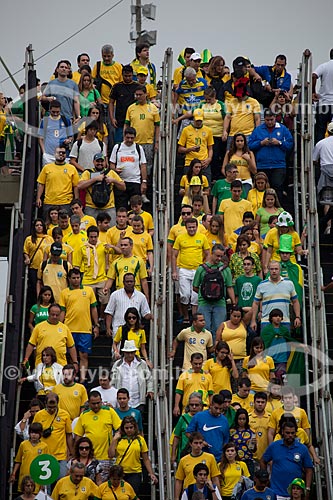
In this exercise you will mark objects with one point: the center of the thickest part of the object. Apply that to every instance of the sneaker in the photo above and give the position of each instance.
(145, 199)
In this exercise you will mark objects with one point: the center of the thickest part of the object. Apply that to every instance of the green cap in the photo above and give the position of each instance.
(297, 482)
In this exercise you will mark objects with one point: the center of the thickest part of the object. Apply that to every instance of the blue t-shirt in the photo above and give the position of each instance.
(64, 92)
(132, 412)
(215, 430)
(252, 494)
(55, 134)
(288, 463)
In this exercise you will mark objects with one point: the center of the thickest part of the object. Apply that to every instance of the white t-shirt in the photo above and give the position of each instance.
(324, 150)
(87, 151)
(107, 395)
(128, 161)
(325, 73)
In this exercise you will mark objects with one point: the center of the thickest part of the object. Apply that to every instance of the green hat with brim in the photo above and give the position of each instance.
(286, 243)
(297, 482)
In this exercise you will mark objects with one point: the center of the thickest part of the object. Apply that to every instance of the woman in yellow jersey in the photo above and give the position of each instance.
(129, 447)
(84, 453)
(40, 311)
(194, 170)
(131, 330)
(89, 96)
(33, 254)
(256, 194)
(274, 399)
(252, 231)
(196, 188)
(240, 155)
(52, 220)
(47, 374)
(259, 368)
(95, 113)
(220, 367)
(116, 487)
(232, 469)
(242, 250)
(270, 206)
(67, 250)
(215, 233)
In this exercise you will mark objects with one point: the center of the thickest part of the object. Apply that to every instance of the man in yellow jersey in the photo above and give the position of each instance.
(75, 238)
(79, 311)
(72, 395)
(196, 141)
(103, 220)
(51, 333)
(54, 272)
(185, 214)
(142, 243)
(85, 220)
(63, 222)
(57, 431)
(233, 209)
(98, 424)
(243, 396)
(127, 263)
(121, 229)
(100, 176)
(136, 206)
(189, 251)
(76, 485)
(82, 60)
(192, 380)
(258, 421)
(59, 180)
(145, 118)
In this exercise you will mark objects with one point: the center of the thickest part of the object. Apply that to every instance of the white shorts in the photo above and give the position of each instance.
(186, 292)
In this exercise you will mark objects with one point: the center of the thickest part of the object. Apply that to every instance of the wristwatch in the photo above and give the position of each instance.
(24, 420)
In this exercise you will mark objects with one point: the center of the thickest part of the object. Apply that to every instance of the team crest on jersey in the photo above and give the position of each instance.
(278, 133)
(39, 451)
(203, 461)
(58, 419)
(259, 434)
(297, 457)
(76, 393)
(59, 274)
(202, 341)
(203, 378)
(84, 293)
(65, 170)
(95, 417)
(60, 330)
(238, 467)
(83, 489)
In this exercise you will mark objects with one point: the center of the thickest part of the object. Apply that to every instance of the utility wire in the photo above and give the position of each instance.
(68, 38)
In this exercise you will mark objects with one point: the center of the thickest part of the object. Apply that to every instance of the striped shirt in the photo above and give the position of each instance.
(275, 295)
(189, 97)
(119, 303)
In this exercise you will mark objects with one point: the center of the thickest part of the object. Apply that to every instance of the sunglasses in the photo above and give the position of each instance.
(194, 404)
(186, 213)
(131, 317)
(84, 447)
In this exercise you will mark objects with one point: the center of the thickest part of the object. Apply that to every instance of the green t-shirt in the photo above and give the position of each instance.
(198, 279)
(245, 289)
(41, 313)
(179, 431)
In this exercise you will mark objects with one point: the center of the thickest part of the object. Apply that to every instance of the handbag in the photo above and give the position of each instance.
(33, 255)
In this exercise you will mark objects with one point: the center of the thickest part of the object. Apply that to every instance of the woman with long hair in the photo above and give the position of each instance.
(221, 366)
(215, 232)
(52, 218)
(252, 231)
(232, 469)
(88, 94)
(131, 330)
(256, 194)
(28, 487)
(67, 250)
(244, 438)
(84, 453)
(297, 489)
(270, 206)
(216, 75)
(46, 375)
(40, 311)
(240, 155)
(194, 170)
(274, 396)
(242, 250)
(129, 448)
(95, 113)
(259, 368)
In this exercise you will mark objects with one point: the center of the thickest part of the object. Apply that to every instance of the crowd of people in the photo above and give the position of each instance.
(233, 259)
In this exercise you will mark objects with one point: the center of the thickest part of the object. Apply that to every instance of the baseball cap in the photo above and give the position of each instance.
(330, 128)
(195, 56)
(99, 156)
(56, 248)
(198, 114)
(142, 70)
(239, 62)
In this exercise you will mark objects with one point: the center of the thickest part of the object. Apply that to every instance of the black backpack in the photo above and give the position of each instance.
(99, 81)
(100, 192)
(212, 286)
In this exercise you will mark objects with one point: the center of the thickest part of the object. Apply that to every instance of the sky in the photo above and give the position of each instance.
(259, 30)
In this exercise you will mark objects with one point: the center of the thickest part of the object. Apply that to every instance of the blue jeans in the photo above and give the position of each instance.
(214, 316)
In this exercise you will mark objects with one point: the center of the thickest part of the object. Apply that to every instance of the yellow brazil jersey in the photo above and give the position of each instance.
(35, 250)
(66, 251)
(102, 236)
(87, 221)
(98, 427)
(186, 465)
(147, 220)
(54, 275)
(76, 76)
(59, 181)
(213, 116)
(124, 265)
(272, 240)
(65, 232)
(87, 174)
(75, 241)
(233, 212)
(142, 244)
(190, 381)
(3, 119)
(192, 136)
(139, 337)
(77, 303)
(60, 423)
(242, 115)
(259, 425)
(144, 118)
(184, 183)
(25, 455)
(113, 237)
(194, 342)
(242, 167)
(71, 398)
(65, 489)
(259, 374)
(213, 239)
(112, 73)
(246, 403)
(123, 492)
(190, 249)
(255, 197)
(131, 462)
(180, 228)
(151, 91)
(92, 262)
(220, 375)
(58, 336)
(273, 404)
(299, 414)
(232, 474)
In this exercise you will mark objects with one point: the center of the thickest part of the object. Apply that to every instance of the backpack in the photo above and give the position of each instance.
(100, 192)
(98, 80)
(212, 286)
(137, 149)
